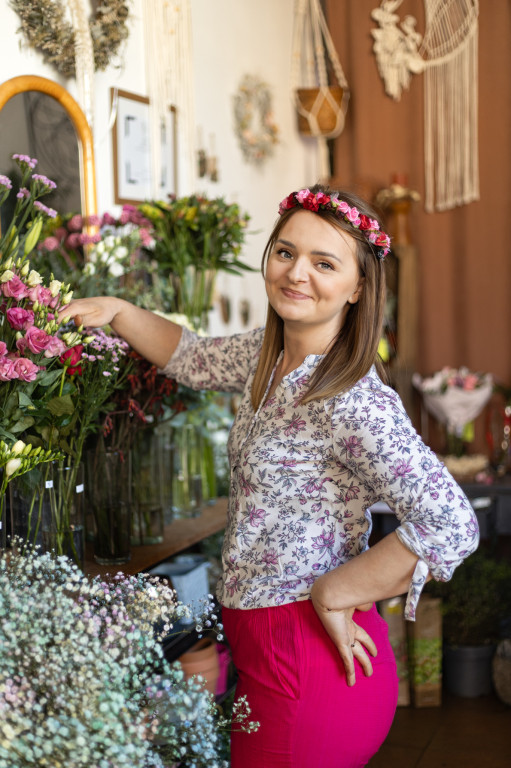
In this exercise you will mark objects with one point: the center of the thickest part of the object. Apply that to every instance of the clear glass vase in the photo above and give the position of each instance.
(64, 526)
(109, 481)
(30, 504)
(147, 521)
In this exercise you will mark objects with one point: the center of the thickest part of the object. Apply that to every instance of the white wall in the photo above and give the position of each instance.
(230, 38)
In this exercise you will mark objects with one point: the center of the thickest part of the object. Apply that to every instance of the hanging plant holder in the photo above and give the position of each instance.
(320, 111)
(320, 89)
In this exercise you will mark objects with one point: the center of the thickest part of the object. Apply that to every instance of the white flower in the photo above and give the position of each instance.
(18, 447)
(12, 466)
(34, 278)
(7, 275)
(55, 286)
(115, 269)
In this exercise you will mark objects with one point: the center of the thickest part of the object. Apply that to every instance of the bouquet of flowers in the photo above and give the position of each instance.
(455, 397)
(83, 677)
(194, 238)
(100, 255)
(30, 342)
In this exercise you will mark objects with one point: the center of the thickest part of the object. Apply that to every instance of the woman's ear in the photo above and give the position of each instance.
(357, 293)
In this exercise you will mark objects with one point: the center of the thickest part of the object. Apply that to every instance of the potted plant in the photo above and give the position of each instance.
(476, 603)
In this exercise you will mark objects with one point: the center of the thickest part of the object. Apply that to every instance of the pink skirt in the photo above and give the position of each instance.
(295, 684)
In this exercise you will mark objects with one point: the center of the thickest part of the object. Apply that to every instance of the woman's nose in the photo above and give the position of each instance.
(298, 270)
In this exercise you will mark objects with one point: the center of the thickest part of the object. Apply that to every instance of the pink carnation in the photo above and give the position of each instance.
(20, 319)
(15, 288)
(3, 348)
(26, 369)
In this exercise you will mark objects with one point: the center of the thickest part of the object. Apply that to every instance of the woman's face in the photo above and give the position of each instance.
(312, 274)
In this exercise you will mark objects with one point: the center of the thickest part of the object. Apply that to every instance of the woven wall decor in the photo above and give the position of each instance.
(447, 54)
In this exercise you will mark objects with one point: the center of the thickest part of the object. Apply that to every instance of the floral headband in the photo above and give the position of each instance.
(370, 228)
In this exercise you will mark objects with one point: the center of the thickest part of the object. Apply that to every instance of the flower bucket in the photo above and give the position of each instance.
(202, 659)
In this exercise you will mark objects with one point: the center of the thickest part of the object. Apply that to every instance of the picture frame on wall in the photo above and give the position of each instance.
(131, 144)
(168, 167)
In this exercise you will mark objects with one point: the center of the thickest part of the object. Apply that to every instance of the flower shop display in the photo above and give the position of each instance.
(31, 340)
(455, 397)
(100, 255)
(83, 677)
(194, 239)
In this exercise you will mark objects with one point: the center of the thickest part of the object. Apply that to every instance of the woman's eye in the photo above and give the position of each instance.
(325, 265)
(284, 253)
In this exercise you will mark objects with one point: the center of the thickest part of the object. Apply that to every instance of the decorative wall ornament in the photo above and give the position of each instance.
(321, 106)
(255, 127)
(447, 54)
(170, 88)
(46, 27)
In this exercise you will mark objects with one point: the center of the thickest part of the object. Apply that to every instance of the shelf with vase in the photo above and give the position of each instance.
(178, 535)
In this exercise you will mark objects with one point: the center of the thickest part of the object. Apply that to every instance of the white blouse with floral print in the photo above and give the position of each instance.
(304, 476)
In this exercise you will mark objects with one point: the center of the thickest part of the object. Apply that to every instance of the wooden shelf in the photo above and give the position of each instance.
(179, 535)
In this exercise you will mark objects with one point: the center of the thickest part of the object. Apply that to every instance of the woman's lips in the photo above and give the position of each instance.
(294, 294)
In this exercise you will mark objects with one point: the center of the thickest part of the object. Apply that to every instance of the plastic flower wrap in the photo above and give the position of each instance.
(455, 397)
(83, 678)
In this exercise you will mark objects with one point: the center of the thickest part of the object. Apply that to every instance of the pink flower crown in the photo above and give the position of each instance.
(370, 228)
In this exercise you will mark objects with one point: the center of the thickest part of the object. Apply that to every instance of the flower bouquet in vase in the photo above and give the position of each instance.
(455, 398)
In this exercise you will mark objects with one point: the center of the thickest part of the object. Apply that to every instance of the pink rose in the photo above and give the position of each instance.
(26, 369)
(302, 195)
(7, 369)
(20, 319)
(3, 348)
(343, 206)
(15, 288)
(471, 381)
(41, 294)
(353, 216)
(36, 340)
(55, 347)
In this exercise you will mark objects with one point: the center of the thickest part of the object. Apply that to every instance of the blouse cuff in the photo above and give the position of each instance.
(419, 577)
(171, 368)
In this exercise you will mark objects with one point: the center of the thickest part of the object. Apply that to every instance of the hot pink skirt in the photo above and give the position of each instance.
(295, 684)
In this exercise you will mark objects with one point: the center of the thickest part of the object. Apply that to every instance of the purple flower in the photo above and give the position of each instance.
(401, 468)
(23, 192)
(45, 181)
(44, 209)
(25, 160)
(5, 182)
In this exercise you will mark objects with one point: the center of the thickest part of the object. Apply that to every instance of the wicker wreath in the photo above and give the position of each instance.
(252, 103)
(46, 28)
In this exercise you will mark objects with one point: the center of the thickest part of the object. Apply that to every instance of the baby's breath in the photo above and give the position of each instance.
(83, 678)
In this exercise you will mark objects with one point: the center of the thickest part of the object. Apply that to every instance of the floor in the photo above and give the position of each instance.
(462, 733)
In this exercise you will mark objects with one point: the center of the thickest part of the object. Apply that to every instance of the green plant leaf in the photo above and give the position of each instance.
(60, 406)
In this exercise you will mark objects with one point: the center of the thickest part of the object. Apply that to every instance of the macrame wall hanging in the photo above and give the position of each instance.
(447, 54)
(321, 105)
(169, 67)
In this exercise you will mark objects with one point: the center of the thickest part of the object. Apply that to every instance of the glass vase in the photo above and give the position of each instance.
(64, 527)
(166, 433)
(109, 482)
(30, 504)
(147, 520)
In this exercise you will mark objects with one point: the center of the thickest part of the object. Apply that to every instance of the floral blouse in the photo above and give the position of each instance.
(303, 478)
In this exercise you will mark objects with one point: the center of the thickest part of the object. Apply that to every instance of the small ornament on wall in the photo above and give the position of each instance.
(255, 126)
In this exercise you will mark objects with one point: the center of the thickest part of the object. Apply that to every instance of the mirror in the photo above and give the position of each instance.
(38, 117)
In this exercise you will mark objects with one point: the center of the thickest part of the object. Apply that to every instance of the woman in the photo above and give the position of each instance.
(318, 438)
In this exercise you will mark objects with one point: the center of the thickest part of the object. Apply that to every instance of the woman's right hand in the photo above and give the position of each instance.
(93, 313)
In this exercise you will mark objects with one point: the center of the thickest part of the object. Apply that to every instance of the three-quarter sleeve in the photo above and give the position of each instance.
(215, 363)
(375, 439)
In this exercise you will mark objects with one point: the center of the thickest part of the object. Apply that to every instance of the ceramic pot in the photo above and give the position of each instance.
(202, 659)
(468, 670)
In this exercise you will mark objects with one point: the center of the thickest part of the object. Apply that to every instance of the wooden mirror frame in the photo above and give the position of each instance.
(24, 83)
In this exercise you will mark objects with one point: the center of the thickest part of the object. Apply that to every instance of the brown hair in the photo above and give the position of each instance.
(356, 348)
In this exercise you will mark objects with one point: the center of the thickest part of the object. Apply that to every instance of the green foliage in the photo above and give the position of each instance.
(476, 600)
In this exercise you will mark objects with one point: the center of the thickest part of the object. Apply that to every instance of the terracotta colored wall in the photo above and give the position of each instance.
(464, 254)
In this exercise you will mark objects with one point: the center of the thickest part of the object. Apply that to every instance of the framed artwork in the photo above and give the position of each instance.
(168, 154)
(131, 147)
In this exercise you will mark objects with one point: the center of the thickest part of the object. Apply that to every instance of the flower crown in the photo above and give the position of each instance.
(370, 228)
